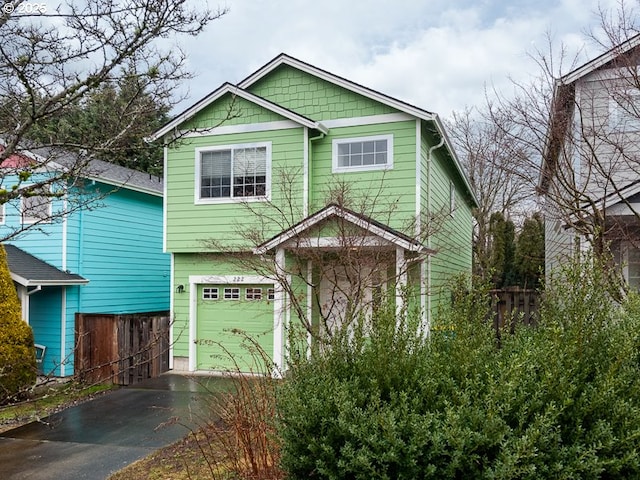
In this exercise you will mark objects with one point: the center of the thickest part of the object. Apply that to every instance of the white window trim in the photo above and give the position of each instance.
(623, 121)
(452, 198)
(233, 292)
(212, 291)
(3, 216)
(209, 201)
(34, 220)
(252, 296)
(279, 306)
(362, 168)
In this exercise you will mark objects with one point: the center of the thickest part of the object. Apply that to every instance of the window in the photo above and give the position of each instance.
(366, 153)
(239, 171)
(271, 294)
(231, 293)
(633, 267)
(452, 198)
(209, 293)
(253, 294)
(624, 110)
(36, 208)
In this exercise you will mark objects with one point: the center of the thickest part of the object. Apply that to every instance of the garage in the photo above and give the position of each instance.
(232, 319)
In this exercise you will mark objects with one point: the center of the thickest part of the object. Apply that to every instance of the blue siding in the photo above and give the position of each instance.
(45, 309)
(122, 256)
(117, 245)
(45, 242)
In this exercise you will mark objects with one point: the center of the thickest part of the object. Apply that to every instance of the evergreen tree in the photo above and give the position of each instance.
(529, 254)
(112, 123)
(17, 355)
(502, 233)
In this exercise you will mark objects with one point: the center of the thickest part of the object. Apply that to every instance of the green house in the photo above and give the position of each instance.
(297, 201)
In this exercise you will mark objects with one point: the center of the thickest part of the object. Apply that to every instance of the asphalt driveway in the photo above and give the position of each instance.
(96, 438)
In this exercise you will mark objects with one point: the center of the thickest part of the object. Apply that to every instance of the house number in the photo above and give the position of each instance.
(238, 279)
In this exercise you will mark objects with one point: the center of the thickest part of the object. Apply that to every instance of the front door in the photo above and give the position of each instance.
(346, 295)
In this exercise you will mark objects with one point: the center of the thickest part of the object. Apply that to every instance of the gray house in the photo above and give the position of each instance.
(590, 175)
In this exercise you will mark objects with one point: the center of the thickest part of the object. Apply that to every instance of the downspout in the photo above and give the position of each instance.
(309, 170)
(80, 253)
(429, 161)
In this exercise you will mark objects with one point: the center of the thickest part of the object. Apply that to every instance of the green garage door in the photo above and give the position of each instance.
(229, 315)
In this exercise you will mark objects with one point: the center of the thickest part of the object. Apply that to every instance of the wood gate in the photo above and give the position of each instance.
(514, 305)
(122, 349)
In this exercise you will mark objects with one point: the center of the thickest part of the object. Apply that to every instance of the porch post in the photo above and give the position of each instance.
(401, 279)
(309, 304)
(278, 311)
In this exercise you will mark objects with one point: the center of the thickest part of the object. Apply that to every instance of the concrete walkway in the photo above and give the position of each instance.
(96, 438)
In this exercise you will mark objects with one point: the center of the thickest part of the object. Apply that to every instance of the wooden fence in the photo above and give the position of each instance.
(123, 349)
(514, 305)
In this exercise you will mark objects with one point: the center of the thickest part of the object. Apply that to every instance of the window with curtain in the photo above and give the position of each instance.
(234, 172)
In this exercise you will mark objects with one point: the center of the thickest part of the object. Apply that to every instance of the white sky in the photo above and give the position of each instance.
(436, 54)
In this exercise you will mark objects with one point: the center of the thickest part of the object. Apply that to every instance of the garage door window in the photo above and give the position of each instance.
(209, 293)
(253, 294)
(231, 293)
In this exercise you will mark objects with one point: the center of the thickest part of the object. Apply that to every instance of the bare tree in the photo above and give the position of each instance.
(334, 286)
(499, 172)
(54, 57)
(579, 121)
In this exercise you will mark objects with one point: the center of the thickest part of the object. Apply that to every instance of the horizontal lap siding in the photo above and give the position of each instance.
(121, 254)
(190, 226)
(44, 242)
(45, 310)
(452, 235)
(386, 195)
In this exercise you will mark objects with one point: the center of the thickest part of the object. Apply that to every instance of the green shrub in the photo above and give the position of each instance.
(560, 400)
(17, 356)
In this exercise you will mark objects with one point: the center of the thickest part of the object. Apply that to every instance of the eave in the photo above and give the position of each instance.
(373, 227)
(237, 91)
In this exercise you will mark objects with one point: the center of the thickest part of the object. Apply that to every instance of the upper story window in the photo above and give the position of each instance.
(624, 110)
(364, 153)
(233, 172)
(452, 198)
(36, 208)
(631, 271)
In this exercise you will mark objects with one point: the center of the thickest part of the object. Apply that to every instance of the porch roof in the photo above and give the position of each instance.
(30, 271)
(376, 228)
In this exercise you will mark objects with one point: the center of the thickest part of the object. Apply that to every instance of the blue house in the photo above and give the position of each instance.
(104, 257)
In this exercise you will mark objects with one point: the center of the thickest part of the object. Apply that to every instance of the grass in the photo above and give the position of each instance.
(46, 400)
(191, 458)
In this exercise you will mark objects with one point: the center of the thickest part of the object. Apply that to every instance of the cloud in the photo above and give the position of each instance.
(438, 55)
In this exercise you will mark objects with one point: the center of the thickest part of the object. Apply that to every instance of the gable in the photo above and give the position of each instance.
(314, 97)
(339, 223)
(232, 110)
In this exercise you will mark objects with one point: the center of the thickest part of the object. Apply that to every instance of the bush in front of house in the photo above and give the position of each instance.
(17, 355)
(560, 400)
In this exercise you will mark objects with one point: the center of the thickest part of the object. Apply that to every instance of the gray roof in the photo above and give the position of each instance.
(28, 270)
(102, 171)
(124, 177)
